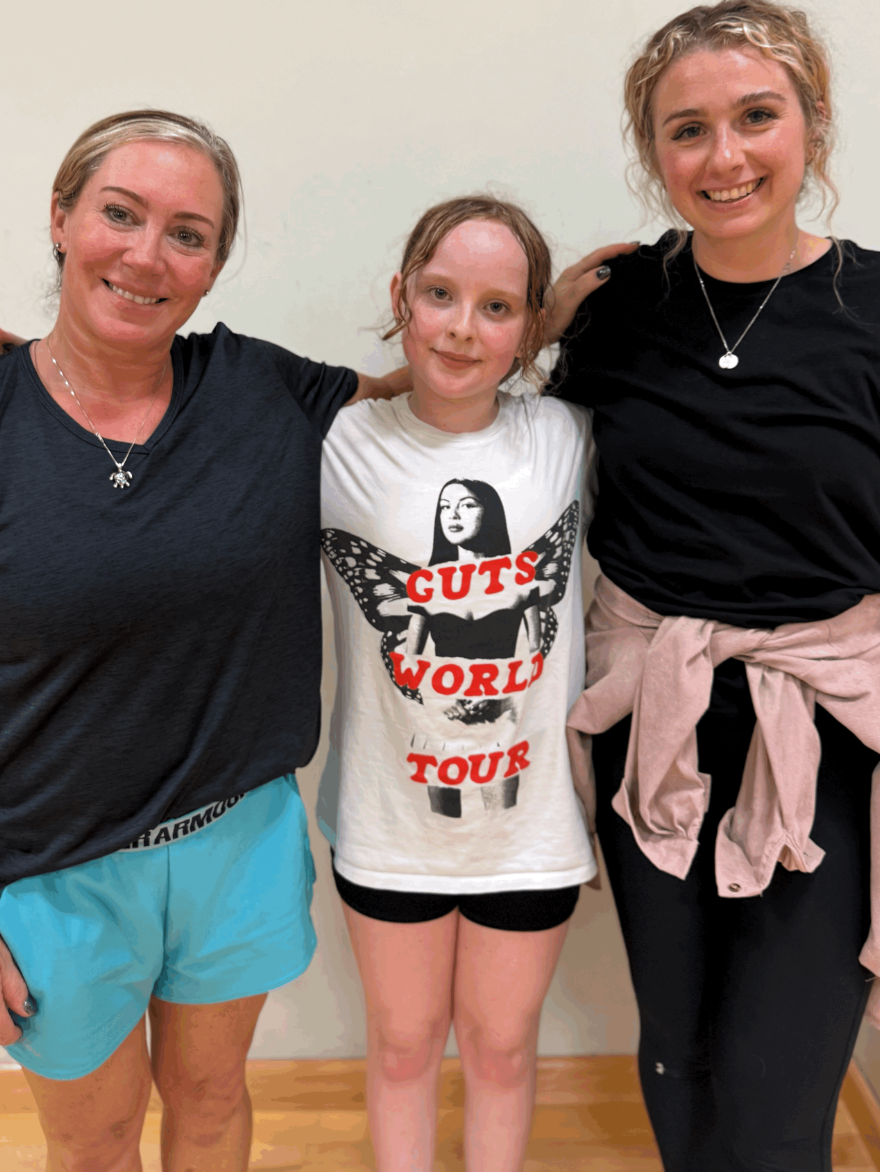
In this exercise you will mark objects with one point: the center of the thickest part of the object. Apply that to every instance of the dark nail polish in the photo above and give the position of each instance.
(603, 272)
(30, 1006)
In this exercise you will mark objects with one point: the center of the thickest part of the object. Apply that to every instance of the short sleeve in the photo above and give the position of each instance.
(598, 333)
(319, 389)
(570, 377)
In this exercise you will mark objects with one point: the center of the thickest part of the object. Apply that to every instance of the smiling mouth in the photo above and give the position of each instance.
(462, 358)
(732, 194)
(134, 296)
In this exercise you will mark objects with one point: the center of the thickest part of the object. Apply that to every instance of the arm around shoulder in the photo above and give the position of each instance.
(386, 386)
(8, 342)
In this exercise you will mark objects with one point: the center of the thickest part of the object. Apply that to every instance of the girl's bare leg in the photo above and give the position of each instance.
(407, 971)
(501, 980)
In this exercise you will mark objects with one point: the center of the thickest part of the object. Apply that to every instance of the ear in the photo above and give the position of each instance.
(215, 273)
(58, 220)
(395, 295)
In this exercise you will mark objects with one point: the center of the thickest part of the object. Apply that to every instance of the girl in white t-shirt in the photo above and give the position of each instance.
(452, 521)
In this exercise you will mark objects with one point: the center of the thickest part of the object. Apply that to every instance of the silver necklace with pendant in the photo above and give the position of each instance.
(728, 359)
(121, 478)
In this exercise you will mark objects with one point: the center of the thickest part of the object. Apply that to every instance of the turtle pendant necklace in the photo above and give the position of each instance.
(728, 359)
(121, 478)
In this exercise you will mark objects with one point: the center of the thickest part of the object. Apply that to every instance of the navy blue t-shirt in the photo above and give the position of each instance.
(160, 645)
(751, 495)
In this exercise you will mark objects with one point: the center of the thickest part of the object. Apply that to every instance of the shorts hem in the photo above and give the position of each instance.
(26, 1060)
(519, 931)
(253, 992)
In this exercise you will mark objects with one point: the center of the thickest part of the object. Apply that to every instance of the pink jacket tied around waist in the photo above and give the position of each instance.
(659, 669)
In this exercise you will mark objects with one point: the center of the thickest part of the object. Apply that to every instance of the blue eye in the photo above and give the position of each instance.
(688, 133)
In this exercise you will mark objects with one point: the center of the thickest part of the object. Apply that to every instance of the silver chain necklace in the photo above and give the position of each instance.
(121, 478)
(728, 359)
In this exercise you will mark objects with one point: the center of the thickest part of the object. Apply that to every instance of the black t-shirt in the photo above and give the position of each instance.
(160, 645)
(750, 495)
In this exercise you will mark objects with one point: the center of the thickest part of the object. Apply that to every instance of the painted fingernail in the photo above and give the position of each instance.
(30, 1006)
(603, 272)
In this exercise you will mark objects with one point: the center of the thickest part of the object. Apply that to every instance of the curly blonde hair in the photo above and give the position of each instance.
(439, 221)
(777, 31)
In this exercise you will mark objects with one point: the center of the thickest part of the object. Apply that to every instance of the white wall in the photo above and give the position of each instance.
(348, 119)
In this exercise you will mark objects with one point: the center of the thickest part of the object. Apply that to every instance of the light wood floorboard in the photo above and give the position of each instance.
(309, 1116)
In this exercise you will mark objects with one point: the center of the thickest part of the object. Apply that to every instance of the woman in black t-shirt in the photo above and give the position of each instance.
(733, 377)
(160, 651)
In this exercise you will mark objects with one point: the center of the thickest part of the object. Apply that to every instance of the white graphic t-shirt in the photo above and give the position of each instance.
(454, 566)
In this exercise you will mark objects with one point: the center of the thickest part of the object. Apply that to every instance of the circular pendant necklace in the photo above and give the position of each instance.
(728, 359)
(121, 478)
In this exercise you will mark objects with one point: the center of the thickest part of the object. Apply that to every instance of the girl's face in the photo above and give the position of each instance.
(731, 142)
(461, 514)
(468, 314)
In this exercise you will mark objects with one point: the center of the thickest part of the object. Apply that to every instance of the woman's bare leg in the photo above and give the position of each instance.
(501, 980)
(199, 1054)
(93, 1124)
(406, 970)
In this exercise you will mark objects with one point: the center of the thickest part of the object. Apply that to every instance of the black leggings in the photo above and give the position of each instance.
(749, 1008)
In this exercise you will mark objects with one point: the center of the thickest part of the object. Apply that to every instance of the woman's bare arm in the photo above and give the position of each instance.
(8, 342)
(386, 386)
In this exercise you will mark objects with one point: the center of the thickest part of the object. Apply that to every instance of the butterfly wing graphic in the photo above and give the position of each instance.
(555, 550)
(377, 579)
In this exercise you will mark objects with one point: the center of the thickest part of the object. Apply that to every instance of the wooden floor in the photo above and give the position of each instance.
(310, 1117)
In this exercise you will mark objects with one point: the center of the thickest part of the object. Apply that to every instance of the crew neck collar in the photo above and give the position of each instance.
(436, 437)
(817, 267)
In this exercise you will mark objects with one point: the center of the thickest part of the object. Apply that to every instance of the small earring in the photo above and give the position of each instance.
(206, 292)
(56, 252)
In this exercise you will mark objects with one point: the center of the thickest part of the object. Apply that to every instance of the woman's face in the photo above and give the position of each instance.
(140, 243)
(461, 514)
(731, 143)
(468, 312)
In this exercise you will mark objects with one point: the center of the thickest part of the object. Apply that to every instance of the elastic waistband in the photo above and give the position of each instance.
(176, 828)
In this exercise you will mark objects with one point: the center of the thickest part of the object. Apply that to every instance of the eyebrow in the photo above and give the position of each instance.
(745, 100)
(133, 195)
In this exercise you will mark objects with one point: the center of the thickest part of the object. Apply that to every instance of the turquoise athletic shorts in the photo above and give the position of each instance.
(219, 909)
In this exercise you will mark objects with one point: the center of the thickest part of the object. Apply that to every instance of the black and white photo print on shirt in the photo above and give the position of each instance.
(475, 602)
